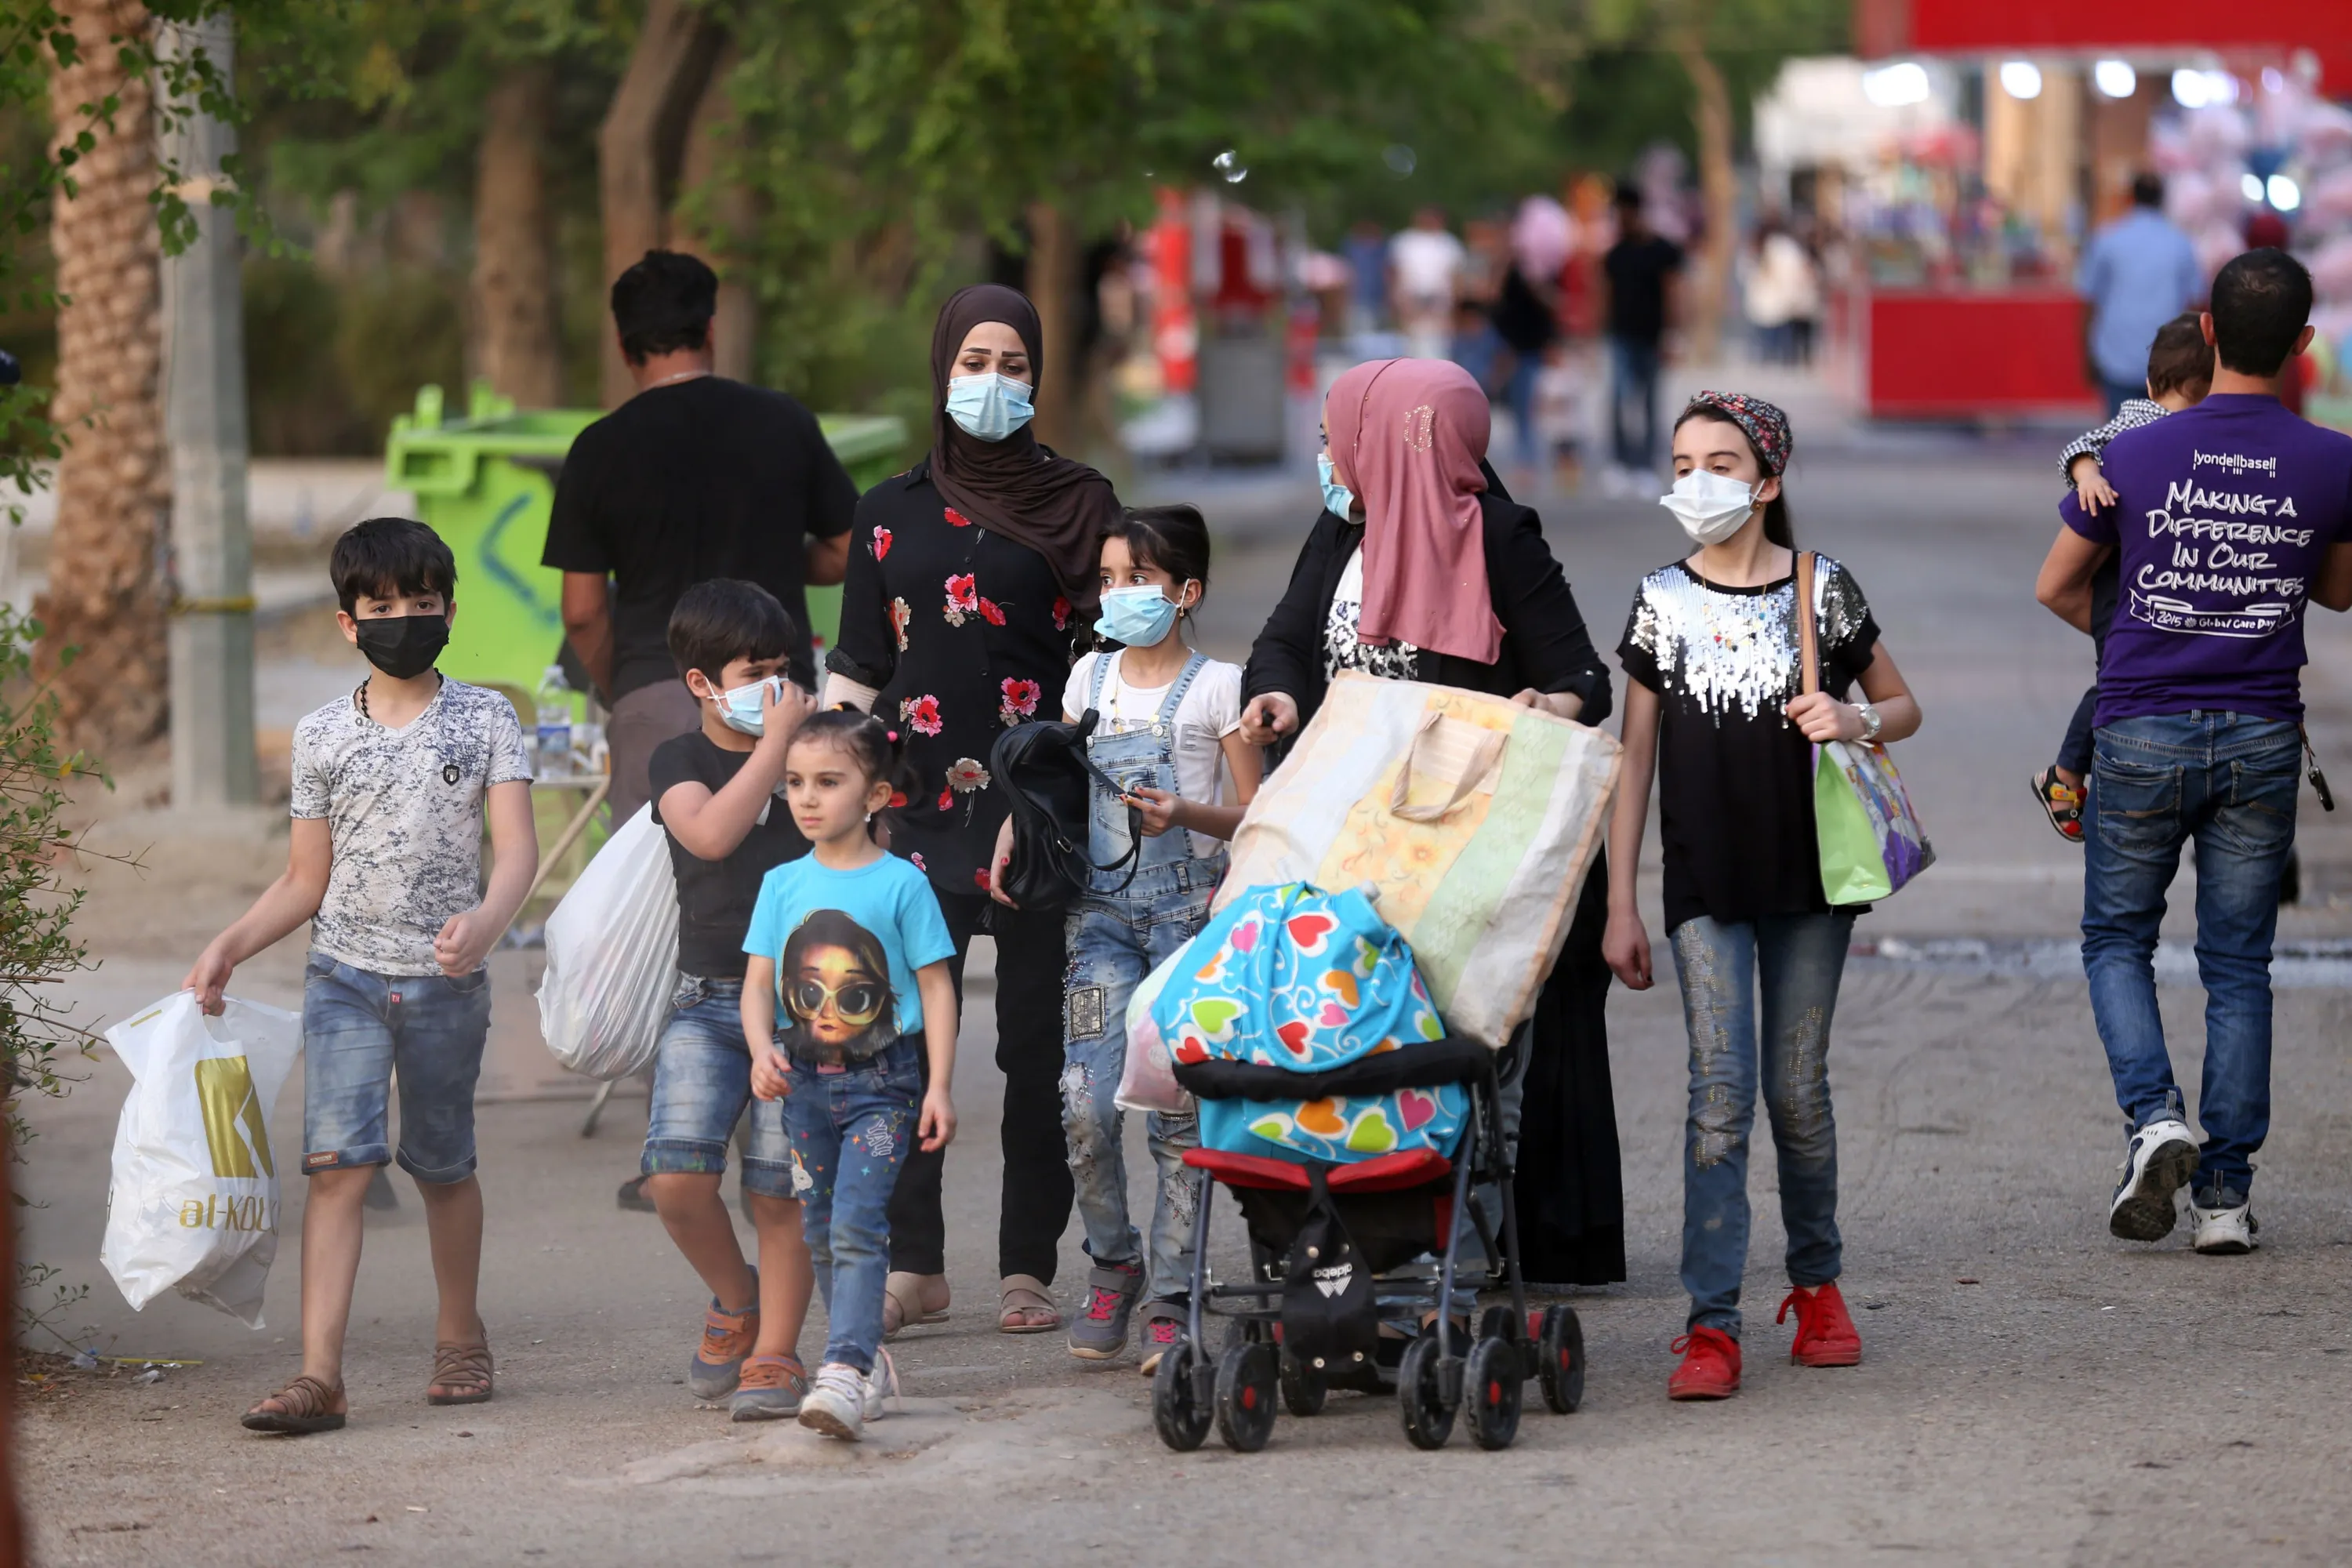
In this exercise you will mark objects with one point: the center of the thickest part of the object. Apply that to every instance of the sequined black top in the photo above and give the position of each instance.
(1735, 776)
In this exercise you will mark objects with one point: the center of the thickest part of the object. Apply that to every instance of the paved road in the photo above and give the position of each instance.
(2032, 1392)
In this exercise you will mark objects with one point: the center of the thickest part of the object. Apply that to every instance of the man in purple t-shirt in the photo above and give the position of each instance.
(2229, 517)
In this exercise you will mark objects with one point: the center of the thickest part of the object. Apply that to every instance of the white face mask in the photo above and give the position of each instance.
(1711, 506)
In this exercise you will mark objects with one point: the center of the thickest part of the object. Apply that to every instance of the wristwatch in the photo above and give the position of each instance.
(1871, 723)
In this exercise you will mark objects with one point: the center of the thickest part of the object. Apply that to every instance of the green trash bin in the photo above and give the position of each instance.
(486, 484)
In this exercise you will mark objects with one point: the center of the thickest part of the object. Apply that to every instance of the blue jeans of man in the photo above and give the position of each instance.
(2227, 780)
(1796, 961)
(851, 1131)
(1634, 391)
(1115, 942)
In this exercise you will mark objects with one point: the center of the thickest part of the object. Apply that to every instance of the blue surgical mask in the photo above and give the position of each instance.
(1139, 617)
(988, 405)
(741, 710)
(1337, 498)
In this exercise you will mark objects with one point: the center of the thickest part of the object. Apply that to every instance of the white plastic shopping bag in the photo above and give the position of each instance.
(1148, 1080)
(612, 955)
(194, 1199)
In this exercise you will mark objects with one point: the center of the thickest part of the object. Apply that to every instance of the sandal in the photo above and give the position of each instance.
(305, 1405)
(461, 1375)
(1036, 1315)
(902, 1302)
(2064, 806)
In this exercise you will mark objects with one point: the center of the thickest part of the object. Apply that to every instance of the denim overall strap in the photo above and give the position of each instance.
(1142, 756)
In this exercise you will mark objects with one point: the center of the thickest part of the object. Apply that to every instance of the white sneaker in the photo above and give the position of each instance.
(835, 1403)
(2159, 1162)
(2225, 1233)
(880, 1384)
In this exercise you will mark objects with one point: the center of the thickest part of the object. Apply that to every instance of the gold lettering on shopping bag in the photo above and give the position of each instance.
(233, 1128)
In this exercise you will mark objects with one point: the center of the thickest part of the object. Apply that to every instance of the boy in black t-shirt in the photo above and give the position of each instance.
(714, 792)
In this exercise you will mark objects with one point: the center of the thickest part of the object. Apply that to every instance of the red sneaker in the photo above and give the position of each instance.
(1825, 1332)
(1711, 1368)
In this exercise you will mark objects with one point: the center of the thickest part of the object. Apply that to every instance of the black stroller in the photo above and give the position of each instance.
(1342, 1277)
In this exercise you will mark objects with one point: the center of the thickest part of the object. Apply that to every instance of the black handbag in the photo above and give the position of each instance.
(1049, 781)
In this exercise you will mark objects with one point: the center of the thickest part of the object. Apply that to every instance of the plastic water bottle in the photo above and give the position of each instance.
(553, 731)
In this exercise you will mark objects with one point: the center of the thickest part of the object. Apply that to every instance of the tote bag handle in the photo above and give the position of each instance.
(1808, 640)
(1471, 767)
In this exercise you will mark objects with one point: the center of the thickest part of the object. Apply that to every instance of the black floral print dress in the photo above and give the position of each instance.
(965, 634)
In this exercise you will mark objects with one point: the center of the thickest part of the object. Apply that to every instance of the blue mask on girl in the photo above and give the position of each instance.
(988, 406)
(1337, 498)
(1139, 617)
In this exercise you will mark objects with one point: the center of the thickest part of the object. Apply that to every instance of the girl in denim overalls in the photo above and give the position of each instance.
(1168, 733)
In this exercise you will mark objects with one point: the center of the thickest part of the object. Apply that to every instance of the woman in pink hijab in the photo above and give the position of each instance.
(1423, 568)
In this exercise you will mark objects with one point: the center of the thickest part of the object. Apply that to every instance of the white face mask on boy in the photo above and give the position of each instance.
(1711, 506)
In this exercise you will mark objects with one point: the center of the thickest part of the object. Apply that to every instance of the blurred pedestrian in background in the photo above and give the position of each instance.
(1782, 294)
(1367, 252)
(1424, 272)
(2137, 273)
(1641, 281)
(1525, 316)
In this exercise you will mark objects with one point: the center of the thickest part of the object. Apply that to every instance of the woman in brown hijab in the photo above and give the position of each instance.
(972, 576)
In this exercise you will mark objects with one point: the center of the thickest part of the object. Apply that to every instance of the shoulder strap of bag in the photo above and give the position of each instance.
(1807, 639)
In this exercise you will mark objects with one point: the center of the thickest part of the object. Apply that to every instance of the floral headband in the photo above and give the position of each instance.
(1766, 427)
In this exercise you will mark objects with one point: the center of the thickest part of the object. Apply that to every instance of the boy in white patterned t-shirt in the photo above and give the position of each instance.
(391, 785)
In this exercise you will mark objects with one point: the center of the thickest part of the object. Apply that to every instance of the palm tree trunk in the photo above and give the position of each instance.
(1718, 189)
(642, 143)
(105, 595)
(1056, 272)
(518, 342)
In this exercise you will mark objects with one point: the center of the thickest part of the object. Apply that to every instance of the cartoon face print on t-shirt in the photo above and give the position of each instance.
(835, 980)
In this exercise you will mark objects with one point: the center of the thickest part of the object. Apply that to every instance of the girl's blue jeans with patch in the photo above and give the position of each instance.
(1796, 961)
(1115, 941)
(851, 1130)
(2228, 782)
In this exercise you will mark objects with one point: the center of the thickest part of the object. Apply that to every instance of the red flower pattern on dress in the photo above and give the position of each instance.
(980, 878)
(902, 616)
(1019, 702)
(963, 597)
(947, 798)
(956, 519)
(966, 776)
(921, 714)
(897, 800)
(916, 861)
(881, 543)
(991, 614)
(1061, 613)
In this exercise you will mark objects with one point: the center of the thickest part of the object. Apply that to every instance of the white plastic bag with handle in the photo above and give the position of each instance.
(612, 955)
(194, 1199)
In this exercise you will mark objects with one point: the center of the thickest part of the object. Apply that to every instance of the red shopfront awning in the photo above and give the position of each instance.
(1884, 27)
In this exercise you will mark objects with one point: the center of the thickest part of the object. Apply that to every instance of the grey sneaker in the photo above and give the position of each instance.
(835, 1404)
(1164, 1324)
(727, 1339)
(1100, 1331)
(771, 1389)
(2160, 1161)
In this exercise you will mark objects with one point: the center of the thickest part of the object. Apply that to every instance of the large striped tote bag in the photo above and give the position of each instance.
(1469, 823)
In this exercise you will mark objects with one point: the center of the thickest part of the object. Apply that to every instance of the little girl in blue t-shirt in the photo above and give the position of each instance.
(1169, 732)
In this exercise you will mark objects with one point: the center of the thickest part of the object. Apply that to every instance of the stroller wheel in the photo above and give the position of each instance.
(1560, 1364)
(1421, 1395)
(1491, 1384)
(1177, 1409)
(1304, 1388)
(1246, 1386)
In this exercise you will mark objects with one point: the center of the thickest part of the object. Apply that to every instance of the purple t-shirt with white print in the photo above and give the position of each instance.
(2223, 514)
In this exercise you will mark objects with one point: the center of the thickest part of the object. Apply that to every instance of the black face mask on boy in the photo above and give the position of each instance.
(403, 647)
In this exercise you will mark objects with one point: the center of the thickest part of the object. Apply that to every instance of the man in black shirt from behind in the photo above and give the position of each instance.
(1641, 282)
(695, 478)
